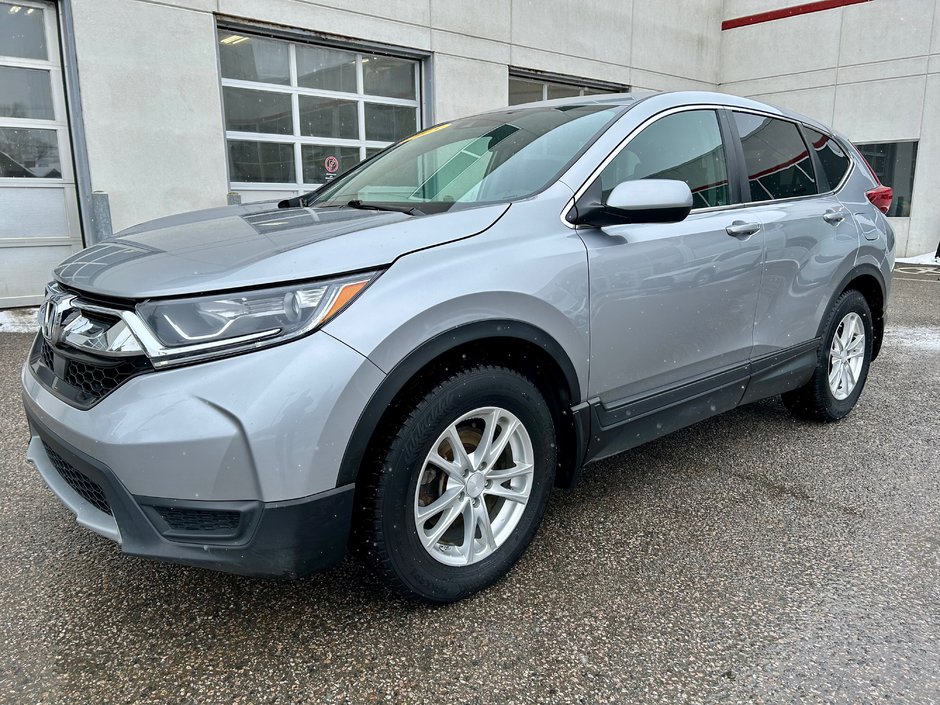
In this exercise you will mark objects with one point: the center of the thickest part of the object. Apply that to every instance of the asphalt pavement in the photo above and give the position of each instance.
(751, 558)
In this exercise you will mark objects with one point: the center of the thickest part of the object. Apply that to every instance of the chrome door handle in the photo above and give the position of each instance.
(833, 217)
(741, 229)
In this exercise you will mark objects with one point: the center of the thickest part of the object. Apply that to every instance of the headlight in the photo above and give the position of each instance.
(200, 326)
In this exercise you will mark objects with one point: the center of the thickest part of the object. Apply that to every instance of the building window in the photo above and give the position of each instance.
(297, 115)
(894, 164)
(528, 89)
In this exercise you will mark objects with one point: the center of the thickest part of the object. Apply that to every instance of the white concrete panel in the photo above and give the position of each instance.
(651, 80)
(935, 40)
(678, 37)
(880, 111)
(741, 8)
(465, 86)
(901, 227)
(784, 46)
(895, 68)
(539, 60)
(593, 29)
(469, 47)
(321, 18)
(784, 82)
(925, 206)
(816, 103)
(876, 31)
(151, 107)
(198, 5)
(489, 19)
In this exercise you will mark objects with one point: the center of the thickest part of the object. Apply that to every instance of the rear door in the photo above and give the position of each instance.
(808, 232)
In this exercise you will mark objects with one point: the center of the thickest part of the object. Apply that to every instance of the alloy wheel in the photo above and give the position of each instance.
(474, 486)
(846, 356)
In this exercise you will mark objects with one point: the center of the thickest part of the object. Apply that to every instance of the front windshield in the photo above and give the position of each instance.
(494, 157)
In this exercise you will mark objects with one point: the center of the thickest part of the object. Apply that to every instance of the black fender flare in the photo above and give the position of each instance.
(865, 269)
(428, 351)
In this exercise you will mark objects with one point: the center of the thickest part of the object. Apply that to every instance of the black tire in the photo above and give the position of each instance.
(388, 534)
(815, 399)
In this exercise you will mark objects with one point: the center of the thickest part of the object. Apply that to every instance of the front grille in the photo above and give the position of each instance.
(201, 520)
(87, 489)
(80, 379)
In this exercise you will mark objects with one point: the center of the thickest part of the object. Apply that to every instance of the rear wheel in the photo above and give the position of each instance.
(462, 486)
(842, 363)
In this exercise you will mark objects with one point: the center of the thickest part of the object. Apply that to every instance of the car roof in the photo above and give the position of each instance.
(674, 99)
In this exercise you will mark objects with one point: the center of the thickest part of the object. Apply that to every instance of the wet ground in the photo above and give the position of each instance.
(751, 558)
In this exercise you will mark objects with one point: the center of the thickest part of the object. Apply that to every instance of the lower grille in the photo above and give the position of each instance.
(202, 520)
(87, 489)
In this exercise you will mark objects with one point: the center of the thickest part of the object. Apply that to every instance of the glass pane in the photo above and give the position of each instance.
(322, 163)
(834, 160)
(25, 93)
(21, 32)
(387, 76)
(326, 69)
(254, 162)
(601, 91)
(389, 123)
(894, 164)
(372, 151)
(685, 146)
(329, 117)
(29, 153)
(253, 58)
(494, 157)
(557, 90)
(778, 163)
(521, 91)
(248, 110)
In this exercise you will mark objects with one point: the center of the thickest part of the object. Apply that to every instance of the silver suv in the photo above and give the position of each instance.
(417, 352)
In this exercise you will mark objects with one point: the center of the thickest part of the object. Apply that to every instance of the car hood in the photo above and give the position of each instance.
(257, 244)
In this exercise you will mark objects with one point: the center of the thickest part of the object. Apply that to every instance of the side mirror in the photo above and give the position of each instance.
(639, 201)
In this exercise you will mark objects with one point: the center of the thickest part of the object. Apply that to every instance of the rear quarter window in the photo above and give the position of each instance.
(777, 160)
(833, 159)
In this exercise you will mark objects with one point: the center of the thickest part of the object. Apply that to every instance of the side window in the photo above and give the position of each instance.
(685, 146)
(778, 163)
(831, 156)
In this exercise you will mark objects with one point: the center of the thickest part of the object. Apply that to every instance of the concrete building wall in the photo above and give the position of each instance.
(871, 70)
(149, 74)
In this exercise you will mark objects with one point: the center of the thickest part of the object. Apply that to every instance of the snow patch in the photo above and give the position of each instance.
(926, 258)
(922, 338)
(19, 320)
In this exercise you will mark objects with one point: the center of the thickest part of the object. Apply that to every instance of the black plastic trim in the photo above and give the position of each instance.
(781, 371)
(286, 539)
(404, 371)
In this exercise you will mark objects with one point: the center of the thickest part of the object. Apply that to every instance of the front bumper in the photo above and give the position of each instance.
(263, 539)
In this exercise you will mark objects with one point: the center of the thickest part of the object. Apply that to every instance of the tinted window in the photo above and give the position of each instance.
(684, 146)
(778, 163)
(831, 156)
(894, 163)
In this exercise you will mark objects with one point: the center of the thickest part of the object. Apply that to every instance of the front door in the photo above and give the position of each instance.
(672, 305)
(39, 223)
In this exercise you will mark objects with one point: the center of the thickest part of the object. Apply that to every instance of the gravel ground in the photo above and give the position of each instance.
(751, 558)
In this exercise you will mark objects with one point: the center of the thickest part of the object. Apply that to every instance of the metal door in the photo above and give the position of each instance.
(39, 223)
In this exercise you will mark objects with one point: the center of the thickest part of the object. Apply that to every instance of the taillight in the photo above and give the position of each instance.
(881, 196)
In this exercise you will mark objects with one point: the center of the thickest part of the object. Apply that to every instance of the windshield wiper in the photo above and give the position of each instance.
(361, 205)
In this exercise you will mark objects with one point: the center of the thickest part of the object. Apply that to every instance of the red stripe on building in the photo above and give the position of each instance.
(784, 12)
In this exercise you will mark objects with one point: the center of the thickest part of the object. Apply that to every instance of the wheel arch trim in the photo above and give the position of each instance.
(860, 270)
(433, 348)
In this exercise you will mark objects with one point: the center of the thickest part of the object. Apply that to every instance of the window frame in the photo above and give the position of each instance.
(915, 142)
(735, 161)
(297, 141)
(519, 74)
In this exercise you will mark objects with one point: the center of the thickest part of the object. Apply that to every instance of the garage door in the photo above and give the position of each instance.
(39, 223)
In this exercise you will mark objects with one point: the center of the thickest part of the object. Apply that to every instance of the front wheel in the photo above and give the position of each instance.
(462, 486)
(842, 363)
